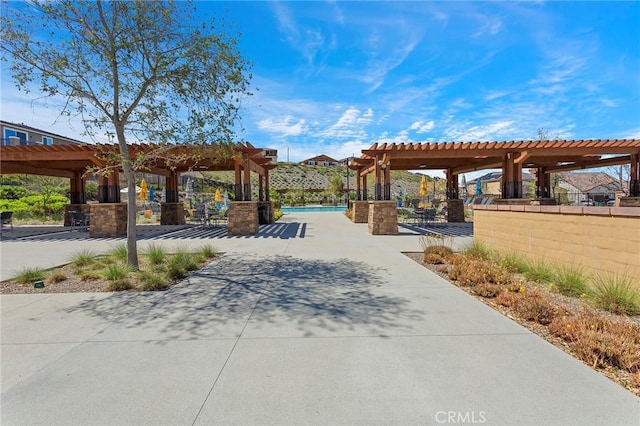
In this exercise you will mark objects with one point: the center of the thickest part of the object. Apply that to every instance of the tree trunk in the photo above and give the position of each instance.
(129, 175)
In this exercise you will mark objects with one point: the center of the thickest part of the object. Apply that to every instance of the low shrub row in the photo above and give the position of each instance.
(526, 288)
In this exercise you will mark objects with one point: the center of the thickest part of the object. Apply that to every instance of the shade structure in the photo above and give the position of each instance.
(144, 190)
(218, 196)
(423, 186)
(152, 193)
(478, 187)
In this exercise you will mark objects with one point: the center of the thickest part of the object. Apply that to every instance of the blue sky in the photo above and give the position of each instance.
(335, 77)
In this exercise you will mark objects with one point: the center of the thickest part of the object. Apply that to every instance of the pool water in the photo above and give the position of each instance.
(286, 210)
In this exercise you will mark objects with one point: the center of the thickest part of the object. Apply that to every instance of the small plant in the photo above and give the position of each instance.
(208, 252)
(600, 341)
(186, 261)
(488, 290)
(176, 271)
(156, 254)
(539, 270)
(570, 281)
(120, 285)
(532, 306)
(435, 239)
(616, 293)
(153, 282)
(474, 271)
(479, 250)
(513, 262)
(436, 255)
(29, 275)
(119, 252)
(116, 272)
(83, 257)
(89, 275)
(56, 277)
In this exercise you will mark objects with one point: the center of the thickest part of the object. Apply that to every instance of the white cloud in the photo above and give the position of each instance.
(493, 131)
(351, 124)
(422, 127)
(284, 127)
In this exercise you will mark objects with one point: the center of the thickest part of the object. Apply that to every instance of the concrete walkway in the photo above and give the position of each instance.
(312, 322)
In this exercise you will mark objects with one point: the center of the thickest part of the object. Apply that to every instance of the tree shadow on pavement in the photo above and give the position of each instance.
(313, 296)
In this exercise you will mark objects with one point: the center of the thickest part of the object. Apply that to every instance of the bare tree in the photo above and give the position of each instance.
(150, 71)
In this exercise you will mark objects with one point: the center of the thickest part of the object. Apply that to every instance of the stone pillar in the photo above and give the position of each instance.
(383, 218)
(243, 218)
(360, 212)
(84, 208)
(455, 210)
(172, 214)
(108, 220)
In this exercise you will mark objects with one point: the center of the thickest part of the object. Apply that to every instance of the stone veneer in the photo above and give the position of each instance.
(172, 214)
(383, 218)
(84, 208)
(629, 201)
(108, 220)
(455, 210)
(360, 211)
(243, 218)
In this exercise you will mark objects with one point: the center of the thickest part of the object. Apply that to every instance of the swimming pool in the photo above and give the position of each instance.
(287, 210)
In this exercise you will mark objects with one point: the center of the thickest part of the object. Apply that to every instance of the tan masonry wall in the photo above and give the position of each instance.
(597, 238)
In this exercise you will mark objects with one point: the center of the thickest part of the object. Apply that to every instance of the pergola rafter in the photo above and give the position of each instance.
(457, 157)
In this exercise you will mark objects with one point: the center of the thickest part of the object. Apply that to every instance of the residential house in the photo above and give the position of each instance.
(20, 134)
(321, 160)
(491, 184)
(587, 187)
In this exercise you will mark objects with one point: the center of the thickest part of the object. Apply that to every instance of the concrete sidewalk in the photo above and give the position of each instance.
(317, 323)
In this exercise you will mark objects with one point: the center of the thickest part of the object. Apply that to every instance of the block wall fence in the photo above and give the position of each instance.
(600, 239)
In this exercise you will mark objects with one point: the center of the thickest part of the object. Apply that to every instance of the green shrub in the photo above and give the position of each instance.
(176, 271)
(153, 282)
(538, 270)
(119, 252)
(513, 262)
(616, 293)
(29, 275)
(116, 272)
(208, 252)
(83, 257)
(479, 250)
(156, 254)
(120, 285)
(186, 261)
(570, 281)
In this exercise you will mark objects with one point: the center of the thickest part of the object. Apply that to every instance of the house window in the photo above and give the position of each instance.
(46, 140)
(312, 163)
(12, 132)
(335, 163)
(325, 163)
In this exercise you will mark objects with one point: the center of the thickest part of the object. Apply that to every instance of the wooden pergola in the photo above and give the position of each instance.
(73, 162)
(454, 158)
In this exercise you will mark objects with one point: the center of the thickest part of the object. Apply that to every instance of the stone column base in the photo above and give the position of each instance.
(108, 220)
(629, 201)
(455, 210)
(84, 208)
(383, 218)
(512, 201)
(243, 218)
(172, 214)
(360, 211)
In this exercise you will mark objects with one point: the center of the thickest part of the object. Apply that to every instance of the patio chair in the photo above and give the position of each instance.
(79, 221)
(7, 219)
